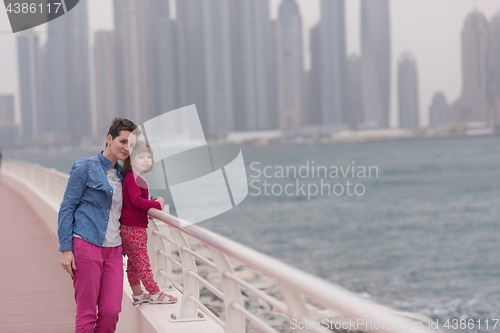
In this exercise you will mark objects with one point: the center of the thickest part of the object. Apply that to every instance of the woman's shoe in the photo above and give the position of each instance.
(139, 299)
(155, 299)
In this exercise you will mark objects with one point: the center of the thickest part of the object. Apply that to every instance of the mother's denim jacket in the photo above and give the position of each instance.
(87, 201)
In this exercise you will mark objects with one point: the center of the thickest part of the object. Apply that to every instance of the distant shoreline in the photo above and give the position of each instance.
(300, 141)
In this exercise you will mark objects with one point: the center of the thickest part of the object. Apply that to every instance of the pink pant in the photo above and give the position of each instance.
(135, 244)
(98, 283)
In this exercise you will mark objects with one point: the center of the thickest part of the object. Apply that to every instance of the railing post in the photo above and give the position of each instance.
(189, 309)
(158, 262)
(235, 320)
(296, 304)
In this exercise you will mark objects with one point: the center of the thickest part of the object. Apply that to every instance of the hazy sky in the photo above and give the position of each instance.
(430, 29)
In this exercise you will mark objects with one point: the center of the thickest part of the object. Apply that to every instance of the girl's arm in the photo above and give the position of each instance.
(77, 185)
(135, 195)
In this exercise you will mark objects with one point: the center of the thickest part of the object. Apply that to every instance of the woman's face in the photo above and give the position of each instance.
(119, 146)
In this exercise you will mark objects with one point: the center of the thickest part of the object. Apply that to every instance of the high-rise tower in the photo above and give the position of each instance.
(408, 103)
(376, 62)
(472, 106)
(314, 112)
(192, 56)
(29, 93)
(333, 62)
(494, 70)
(167, 69)
(8, 128)
(354, 95)
(252, 69)
(438, 110)
(218, 75)
(137, 25)
(105, 80)
(290, 65)
(67, 76)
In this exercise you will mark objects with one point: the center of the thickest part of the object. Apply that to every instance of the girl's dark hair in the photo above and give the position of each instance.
(140, 147)
(121, 124)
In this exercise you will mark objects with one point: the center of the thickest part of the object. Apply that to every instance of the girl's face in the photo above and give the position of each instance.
(118, 147)
(141, 162)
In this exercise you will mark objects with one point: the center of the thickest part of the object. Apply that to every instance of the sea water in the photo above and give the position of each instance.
(422, 236)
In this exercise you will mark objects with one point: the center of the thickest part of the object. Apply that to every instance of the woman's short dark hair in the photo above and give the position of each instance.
(140, 147)
(121, 124)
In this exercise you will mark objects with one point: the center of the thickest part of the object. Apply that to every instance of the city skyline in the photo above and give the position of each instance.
(425, 101)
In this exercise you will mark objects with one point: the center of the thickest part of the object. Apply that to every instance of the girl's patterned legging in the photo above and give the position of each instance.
(135, 241)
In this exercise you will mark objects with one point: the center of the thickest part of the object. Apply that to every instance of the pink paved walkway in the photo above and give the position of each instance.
(36, 294)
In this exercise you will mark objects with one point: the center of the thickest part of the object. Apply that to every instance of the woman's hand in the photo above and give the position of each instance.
(68, 261)
(160, 200)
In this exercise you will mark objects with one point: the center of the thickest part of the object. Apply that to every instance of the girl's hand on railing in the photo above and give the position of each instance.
(160, 200)
(68, 262)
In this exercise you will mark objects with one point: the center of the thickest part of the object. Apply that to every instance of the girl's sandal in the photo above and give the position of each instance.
(155, 299)
(139, 299)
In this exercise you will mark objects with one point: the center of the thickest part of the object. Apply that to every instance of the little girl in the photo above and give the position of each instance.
(134, 221)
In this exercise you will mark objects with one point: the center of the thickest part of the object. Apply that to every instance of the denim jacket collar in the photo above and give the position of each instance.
(108, 165)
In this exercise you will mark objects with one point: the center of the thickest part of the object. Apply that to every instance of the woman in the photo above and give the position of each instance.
(89, 231)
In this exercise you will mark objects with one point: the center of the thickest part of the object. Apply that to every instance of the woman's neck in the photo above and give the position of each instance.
(110, 158)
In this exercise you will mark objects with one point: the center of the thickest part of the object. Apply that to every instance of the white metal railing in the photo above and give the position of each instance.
(294, 285)
(48, 183)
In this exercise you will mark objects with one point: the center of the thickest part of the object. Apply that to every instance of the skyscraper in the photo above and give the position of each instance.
(105, 79)
(54, 80)
(314, 112)
(408, 103)
(192, 57)
(8, 128)
(167, 68)
(67, 81)
(272, 75)
(218, 76)
(472, 106)
(237, 65)
(494, 70)
(332, 50)
(136, 24)
(438, 110)
(290, 65)
(354, 95)
(29, 93)
(44, 119)
(7, 117)
(163, 55)
(376, 62)
(252, 69)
